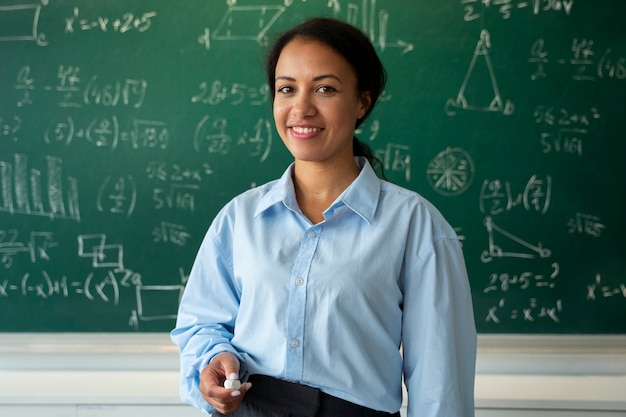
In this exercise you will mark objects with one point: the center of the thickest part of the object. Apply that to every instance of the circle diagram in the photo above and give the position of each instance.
(451, 172)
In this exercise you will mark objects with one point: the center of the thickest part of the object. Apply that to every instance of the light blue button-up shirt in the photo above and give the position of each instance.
(376, 292)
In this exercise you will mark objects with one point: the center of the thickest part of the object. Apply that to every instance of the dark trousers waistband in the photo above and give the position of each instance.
(301, 400)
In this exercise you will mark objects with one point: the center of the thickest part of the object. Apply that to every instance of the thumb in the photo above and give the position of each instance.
(230, 366)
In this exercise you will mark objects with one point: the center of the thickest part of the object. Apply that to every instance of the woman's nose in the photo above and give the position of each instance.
(304, 105)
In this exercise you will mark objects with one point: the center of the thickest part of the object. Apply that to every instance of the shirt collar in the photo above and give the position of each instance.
(361, 196)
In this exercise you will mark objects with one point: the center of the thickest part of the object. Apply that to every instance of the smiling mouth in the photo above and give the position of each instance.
(305, 130)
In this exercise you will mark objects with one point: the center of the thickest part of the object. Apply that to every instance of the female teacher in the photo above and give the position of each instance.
(324, 290)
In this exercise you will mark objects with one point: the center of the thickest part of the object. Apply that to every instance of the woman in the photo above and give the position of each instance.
(308, 286)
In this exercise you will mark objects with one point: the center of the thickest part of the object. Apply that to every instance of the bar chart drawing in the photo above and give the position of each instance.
(30, 191)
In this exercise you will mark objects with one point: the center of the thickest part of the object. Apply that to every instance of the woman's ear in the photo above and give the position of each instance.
(366, 102)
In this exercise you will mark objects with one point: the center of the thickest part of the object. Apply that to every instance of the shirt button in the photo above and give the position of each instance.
(295, 343)
(299, 281)
(311, 234)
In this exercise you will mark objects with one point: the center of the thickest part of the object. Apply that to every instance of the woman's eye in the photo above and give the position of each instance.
(284, 90)
(326, 89)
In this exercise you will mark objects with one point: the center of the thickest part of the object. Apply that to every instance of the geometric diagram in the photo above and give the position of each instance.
(154, 302)
(473, 95)
(102, 255)
(153, 295)
(18, 22)
(451, 172)
(525, 249)
(157, 302)
(244, 23)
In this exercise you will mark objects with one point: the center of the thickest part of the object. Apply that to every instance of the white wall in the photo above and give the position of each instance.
(106, 375)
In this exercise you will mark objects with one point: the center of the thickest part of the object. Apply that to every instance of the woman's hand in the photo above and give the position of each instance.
(224, 366)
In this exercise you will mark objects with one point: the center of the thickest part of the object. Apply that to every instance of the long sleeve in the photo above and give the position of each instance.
(439, 334)
(308, 302)
(206, 318)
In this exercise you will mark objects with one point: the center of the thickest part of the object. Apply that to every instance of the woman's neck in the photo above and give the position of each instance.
(317, 186)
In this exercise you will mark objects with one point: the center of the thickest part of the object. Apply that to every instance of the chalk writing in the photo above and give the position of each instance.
(20, 22)
(516, 247)
(532, 312)
(586, 224)
(127, 92)
(373, 21)
(126, 23)
(116, 117)
(175, 234)
(504, 281)
(176, 196)
(106, 133)
(476, 97)
(497, 196)
(211, 137)
(156, 302)
(506, 8)
(582, 60)
(370, 129)
(43, 285)
(23, 192)
(235, 94)
(611, 66)
(243, 23)
(396, 158)
(117, 195)
(36, 247)
(599, 290)
(569, 128)
(9, 127)
(180, 194)
(164, 171)
(451, 172)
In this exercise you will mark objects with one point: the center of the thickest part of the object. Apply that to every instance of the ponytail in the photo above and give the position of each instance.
(362, 149)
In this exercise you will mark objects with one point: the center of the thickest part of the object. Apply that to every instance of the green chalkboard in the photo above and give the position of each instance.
(126, 125)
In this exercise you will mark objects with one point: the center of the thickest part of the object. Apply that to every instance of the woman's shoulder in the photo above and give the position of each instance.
(249, 200)
(413, 204)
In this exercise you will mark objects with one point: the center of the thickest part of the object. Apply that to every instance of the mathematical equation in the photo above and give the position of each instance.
(475, 9)
(599, 290)
(504, 281)
(585, 63)
(216, 93)
(105, 132)
(532, 312)
(497, 196)
(126, 23)
(35, 248)
(212, 136)
(565, 130)
(75, 93)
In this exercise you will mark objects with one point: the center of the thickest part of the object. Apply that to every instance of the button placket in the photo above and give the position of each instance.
(296, 319)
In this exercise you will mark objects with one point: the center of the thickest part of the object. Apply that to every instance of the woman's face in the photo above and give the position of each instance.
(317, 103)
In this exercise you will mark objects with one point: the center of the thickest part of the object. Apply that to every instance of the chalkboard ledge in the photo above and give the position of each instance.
(497, 354)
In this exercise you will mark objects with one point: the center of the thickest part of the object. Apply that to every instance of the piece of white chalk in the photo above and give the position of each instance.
(232, 384)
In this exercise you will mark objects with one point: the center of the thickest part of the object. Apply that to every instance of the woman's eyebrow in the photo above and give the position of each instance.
(317, 78)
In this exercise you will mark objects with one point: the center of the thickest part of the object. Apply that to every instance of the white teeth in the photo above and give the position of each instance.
(305, 130)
